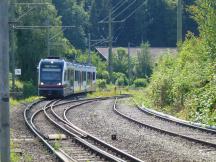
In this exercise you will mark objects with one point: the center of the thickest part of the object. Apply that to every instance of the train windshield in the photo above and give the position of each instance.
(51, 73)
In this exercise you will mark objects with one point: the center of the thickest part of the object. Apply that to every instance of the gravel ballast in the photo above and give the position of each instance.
(99, 119)
(25, 144)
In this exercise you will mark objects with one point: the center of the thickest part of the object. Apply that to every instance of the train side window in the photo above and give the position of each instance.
(80, 73)
(68, 74)
(72, 75)
(84, 76)
(65, 76)
(76, 75)
(94, 77)
(89, 76)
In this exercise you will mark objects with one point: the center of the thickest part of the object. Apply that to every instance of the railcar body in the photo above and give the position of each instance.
(59, 78)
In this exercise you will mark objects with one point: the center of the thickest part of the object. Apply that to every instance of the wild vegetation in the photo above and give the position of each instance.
(186, 84)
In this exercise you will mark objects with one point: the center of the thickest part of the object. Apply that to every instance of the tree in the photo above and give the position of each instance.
(99, 11)
(73, 13)
(154, 22)
(120, 61)
(186, 82)
(144, 62)
(32, 44)
(205, 15)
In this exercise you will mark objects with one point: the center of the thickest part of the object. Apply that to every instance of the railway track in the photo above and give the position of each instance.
(168, 126)
(74, 144)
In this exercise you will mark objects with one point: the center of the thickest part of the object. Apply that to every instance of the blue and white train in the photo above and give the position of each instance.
(59, 78)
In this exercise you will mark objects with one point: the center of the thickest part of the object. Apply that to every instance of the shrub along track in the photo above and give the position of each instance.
(146, 141)
(79, 145)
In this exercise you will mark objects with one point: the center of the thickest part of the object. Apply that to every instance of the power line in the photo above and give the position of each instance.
(40, 27)
(133, 12)
(115, 8)
(124, 9)
(26, 13)
(57, 34)
(118, 5)
(29, 4)
(118, 31)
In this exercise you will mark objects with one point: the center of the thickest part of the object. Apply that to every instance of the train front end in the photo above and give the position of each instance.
(50, 79)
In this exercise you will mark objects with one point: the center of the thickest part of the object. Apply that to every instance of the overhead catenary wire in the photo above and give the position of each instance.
(115, 9)
(41, 27)
(31, 4)
(118, 4)
(118, 31)
(26, 13)
(133, 12)
(124, 10)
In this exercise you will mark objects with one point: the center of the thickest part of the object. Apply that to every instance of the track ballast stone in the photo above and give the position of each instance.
(99, 119)
(25, 144)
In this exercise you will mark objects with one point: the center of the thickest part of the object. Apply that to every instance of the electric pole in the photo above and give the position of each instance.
(4, 83)
(12, 39)
(110, 41)
(48, 36)
(129, 65)
(179, 21)
(89, 48)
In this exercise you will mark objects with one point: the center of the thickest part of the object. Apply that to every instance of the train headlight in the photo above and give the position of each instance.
(59, 84)
(41, 83)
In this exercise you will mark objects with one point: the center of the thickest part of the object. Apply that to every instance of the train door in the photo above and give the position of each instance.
(71, 80)
(94, 81)
(76, 81)
(80, 81)
(89, 80)
(83, 81)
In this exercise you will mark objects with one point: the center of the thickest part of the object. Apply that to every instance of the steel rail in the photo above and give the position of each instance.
(159, 129)
(82, 141)
(91, 137)
(76, 129)
(29, 120)
(58, 154)
(169, 119)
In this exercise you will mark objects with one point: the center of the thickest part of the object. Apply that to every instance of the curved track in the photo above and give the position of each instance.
(78, 144)
(194, 134)
(198, 126)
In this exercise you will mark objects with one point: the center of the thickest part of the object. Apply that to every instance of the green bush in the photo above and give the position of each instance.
(105, 75)
(162, 80)
(29, 89)
(101, 83)
(140, 82)
(186, 82)
(119, 79)
(18, 85)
